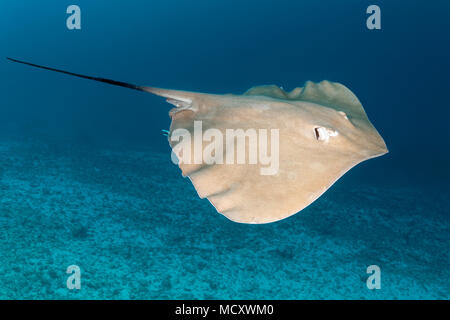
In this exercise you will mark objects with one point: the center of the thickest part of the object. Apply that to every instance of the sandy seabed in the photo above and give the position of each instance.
(138, 230)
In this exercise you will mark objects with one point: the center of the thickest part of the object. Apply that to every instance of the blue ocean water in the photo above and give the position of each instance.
(86, 177)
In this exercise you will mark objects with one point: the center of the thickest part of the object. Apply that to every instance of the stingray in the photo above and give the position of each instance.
(323, 132)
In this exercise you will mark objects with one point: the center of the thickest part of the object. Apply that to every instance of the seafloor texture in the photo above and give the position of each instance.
(137, 230)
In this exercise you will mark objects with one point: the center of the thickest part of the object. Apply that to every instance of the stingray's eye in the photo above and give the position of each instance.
(323, 134)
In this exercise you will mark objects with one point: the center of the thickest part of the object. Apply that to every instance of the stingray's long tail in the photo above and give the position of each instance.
(109, 81)
(176, 97)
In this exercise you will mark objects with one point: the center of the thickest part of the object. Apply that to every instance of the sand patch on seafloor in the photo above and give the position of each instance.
(137, 230)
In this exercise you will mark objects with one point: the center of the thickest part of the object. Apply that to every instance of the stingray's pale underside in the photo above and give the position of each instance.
(323, 132)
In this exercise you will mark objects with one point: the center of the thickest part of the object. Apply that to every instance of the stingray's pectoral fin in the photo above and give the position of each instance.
(181, 99)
